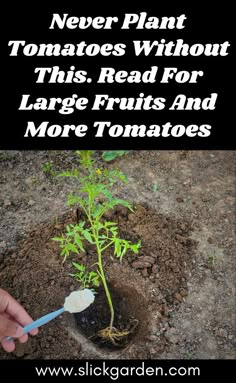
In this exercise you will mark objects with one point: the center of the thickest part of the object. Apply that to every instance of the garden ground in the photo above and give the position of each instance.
(180, 288)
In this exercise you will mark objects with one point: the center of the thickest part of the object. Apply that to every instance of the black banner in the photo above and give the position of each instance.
(80, 77)
(118, 370)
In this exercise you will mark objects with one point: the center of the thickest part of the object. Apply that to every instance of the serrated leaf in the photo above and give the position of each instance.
(87, 235)
(58, 239)
(123, 177)
(109, 155)
(97, 210)
(112, 154)
(96, 282)
(78, 266)
(68, 228)
(72, 200)
(135, 248)
(109, 223)
(114, 231)
(155, 188)
(73, 248)
(122, 202)
(125, 248)
(69, 173)
(107, 194)
(78, 242)
(117, 248)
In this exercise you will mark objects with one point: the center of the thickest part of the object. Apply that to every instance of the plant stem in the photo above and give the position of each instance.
(104, 281)
(100, 263)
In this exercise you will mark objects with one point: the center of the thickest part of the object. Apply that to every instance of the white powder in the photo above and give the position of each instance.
(78, 301)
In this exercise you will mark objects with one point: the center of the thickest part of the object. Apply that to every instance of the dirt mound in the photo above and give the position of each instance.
(152, 283)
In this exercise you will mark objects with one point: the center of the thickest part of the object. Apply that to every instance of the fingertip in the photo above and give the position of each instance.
(19, 332)
(23, 339)
(8, 345)
(34, 332)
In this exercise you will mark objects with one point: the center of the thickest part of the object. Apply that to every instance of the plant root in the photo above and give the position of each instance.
(112, 334)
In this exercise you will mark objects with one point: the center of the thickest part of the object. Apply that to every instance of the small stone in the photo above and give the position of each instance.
(3, 244)
(31, 202)
(231, 337)
(141, 264)
(152, 337)
(179, 199)
(109, 215)
(210, 240)
(173, 339)
(172, 330)
(132, 217)
(153, 351)
(144, 273)
(178, 297)
(72, 288)
(155, 269)
(147, 258)
(222, 333)
(6, 203)
(122, 210)
(19, 350)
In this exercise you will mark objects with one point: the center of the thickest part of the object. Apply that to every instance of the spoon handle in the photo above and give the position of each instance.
(41, 321)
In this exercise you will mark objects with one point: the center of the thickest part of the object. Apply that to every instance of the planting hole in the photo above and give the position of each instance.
(129, 316)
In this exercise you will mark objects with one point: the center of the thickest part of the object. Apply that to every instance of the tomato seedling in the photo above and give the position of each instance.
(94, 197)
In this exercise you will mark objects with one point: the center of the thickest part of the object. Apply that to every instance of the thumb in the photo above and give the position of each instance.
(9, 327)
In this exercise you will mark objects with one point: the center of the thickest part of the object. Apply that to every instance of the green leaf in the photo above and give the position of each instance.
(123, 177)
(117, 248)
(96, 282)
(107, 194)
(68, 228)
(72, 200)
(135, 248)
(101, 243)
(73, 248)
(114, 231)
(111, 155)
(78, 266)
(87, 235)
(125, 248)
(122, 202)
(69, 173)
(109, 223)
(155, 188)
(97, 210)
(78, 242)
(58, 239)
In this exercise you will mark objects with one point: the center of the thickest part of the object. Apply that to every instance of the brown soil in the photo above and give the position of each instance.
(164, 261)
(97, 318)
(179, 288)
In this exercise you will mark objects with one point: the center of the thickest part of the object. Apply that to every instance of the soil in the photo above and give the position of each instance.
(97, 317)
(177, 296)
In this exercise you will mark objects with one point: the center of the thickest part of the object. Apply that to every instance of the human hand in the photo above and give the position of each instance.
(13, 318)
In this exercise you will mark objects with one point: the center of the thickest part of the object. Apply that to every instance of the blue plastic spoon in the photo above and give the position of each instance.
(76, 302)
